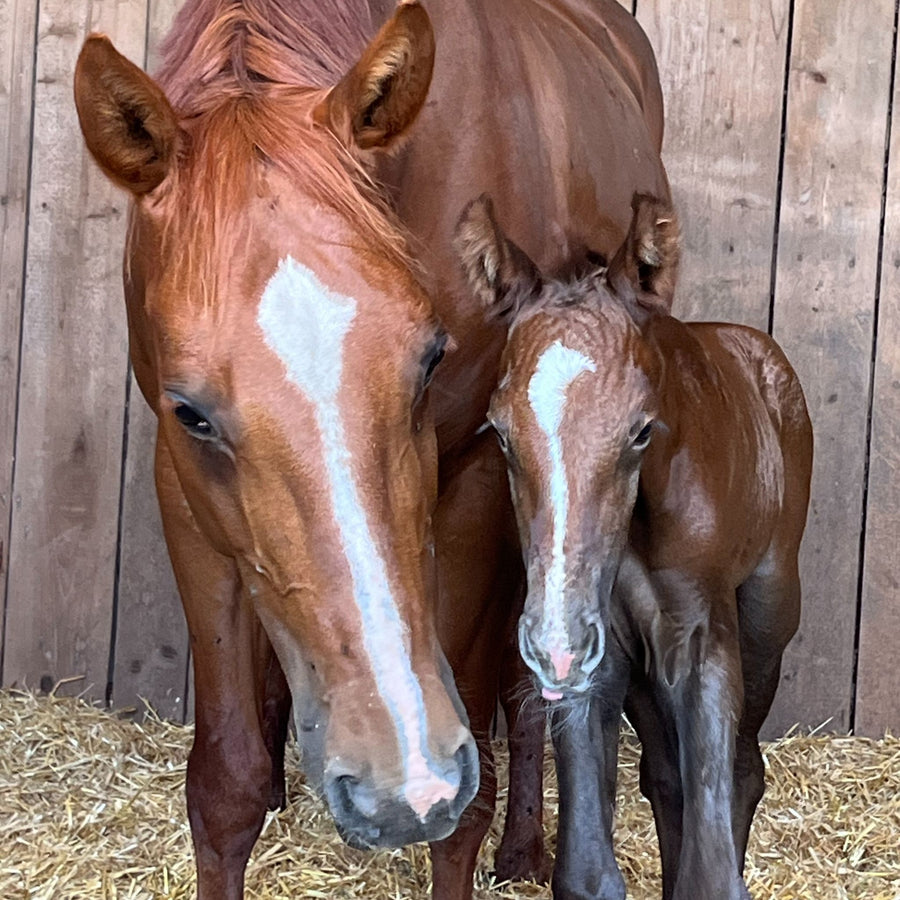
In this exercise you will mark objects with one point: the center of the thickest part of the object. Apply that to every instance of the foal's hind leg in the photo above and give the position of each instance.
(660, 778)
(229, 772)
(768, 610)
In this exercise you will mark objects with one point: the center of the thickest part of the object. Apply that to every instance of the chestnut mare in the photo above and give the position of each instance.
(660, 473)
(332, 509)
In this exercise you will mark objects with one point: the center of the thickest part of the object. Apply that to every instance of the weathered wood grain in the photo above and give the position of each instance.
(878, 676)
(722, 70)
(73, 376)
(17, 20)
(826, 278)
(151, 645)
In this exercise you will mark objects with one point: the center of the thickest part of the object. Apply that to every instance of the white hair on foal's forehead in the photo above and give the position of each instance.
(556, 370)
(305, 324)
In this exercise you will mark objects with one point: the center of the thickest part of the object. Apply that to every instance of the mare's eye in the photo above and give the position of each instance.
(194, 422)
(643, 437)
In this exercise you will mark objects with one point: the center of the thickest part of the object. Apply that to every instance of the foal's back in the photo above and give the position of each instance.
(718, 486)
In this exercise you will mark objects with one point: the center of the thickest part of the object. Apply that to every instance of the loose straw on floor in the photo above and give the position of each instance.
(92, 808)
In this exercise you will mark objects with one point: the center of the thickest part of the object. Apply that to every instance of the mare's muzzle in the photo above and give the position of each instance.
(425, 808)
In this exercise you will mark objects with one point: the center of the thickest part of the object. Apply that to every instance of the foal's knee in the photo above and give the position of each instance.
(588, 884)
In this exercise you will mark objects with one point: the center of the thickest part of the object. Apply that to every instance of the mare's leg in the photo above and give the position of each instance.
(769, 612)
(660, 777)
(229, 772)
(706, 702)
(522, 854)
(585, 738)
(479, 571)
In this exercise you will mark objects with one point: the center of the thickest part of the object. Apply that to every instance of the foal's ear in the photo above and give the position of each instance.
(500, 274)
(127, 122)
(649, 258)
(379, 98)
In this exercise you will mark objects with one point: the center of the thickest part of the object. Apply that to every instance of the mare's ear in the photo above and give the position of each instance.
(379, 98)
(649, 258)
(500, 274)
(127, 122)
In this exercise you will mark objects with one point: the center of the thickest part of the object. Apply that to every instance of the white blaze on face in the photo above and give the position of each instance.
(557, 368)
(305, 324)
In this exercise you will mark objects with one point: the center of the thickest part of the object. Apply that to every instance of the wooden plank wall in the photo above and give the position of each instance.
(783, 157)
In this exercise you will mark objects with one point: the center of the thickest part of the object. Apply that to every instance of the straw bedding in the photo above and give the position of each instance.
(93, 807)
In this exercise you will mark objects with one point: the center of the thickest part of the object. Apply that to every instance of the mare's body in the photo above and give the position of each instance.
(290, 285)
(660, 473)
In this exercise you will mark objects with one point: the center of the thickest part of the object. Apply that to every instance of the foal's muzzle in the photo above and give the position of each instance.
(562, 667)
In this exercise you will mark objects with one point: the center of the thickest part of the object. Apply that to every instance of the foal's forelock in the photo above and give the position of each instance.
(306, 325)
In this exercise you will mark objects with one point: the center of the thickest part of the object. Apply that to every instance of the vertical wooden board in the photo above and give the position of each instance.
(151, 645)
(826, 279)
(878, 676)
(17, 20)
(722, 69)
(73, 375)
(162, 12)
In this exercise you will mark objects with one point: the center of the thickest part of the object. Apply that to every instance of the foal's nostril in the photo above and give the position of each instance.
(595, 648)
(526, 645)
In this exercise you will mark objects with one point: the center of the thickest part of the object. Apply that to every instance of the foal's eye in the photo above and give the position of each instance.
(194, 422)
(642, 439)
(433, 358)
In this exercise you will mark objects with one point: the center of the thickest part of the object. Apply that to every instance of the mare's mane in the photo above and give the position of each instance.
(225, 47)
(243, 76)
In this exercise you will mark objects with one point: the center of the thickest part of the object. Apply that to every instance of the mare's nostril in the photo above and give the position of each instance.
(468, 766)
(596, 646)
(353, 797)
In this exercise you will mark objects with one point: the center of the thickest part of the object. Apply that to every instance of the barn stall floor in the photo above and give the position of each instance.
(92, 807)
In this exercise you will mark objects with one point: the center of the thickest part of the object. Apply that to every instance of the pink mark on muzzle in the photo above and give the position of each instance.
(547, 694)
(424, 788)
(561, 660)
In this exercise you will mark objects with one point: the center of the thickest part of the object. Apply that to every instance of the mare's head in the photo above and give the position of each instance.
(575, 412)
(280, 334)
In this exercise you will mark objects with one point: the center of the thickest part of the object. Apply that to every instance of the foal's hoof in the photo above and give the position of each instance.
(277, 796)
(523, 861)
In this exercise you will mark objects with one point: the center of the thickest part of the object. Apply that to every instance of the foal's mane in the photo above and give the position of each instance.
(243, 75)
(585, 281)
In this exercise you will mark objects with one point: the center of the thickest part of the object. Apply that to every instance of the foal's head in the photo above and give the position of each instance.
(281, 336)
(575, 412)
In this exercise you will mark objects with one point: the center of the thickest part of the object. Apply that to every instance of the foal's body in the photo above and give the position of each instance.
(326, 494)
(660, 472)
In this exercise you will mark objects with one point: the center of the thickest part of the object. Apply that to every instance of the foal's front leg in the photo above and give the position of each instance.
(706, 702)
(585, 739)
